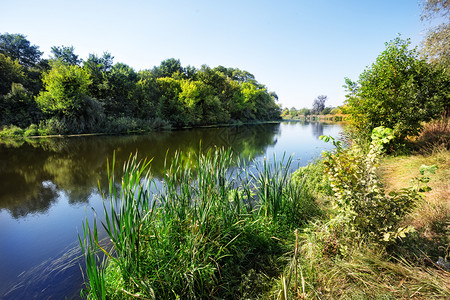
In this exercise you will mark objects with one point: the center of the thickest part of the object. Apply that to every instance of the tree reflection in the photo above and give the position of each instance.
(317, 129)
(33, 173)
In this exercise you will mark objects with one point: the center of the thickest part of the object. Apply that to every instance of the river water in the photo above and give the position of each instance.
(48, 187)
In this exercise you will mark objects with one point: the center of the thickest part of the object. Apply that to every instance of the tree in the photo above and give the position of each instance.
(304, 112)
(167, 68)
(318, 104)
(18, 47)
(18, 107)
(66, 55)
(293, 111)
(10, 72)
(98, 68)
(66, 98)
(399, 91)
(437, 42)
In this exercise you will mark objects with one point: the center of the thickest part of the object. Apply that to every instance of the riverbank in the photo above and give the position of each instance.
(268, 235)
(32, 132)
(329, 261)
(317, 118)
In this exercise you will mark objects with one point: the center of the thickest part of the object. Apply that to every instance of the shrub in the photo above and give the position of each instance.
(359, 195)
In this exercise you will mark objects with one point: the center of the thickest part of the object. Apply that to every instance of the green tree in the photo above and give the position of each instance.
(293, 111)
(66, 99)
(167, 68)
(98, 68)
(18, 107)
(304, 112)
(10, 72)
(66, 55)
(399, 91)
(18, 47)
(119, 85)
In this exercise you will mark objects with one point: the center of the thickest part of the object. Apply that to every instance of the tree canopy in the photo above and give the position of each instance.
(400, 90)
(16, 46)
(69, 95)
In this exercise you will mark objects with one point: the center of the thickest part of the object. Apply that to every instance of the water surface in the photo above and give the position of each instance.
(48, 187)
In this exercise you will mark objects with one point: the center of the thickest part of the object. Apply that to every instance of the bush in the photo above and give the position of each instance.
(359, 195)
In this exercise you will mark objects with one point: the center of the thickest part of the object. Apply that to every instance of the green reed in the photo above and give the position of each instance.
(205, 233)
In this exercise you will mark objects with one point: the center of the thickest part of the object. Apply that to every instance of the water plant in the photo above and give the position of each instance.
(209, 229)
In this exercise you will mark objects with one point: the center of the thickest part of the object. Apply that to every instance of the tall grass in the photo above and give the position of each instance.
(211, 230)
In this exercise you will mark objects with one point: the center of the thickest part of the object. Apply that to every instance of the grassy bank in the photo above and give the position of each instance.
(338, 228)
(333, 259)
(211, 231)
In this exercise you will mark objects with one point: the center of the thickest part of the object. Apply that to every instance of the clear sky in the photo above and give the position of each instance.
(299, 49)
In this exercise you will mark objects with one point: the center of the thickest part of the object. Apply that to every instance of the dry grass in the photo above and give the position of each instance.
(431, 218)
(435, 134)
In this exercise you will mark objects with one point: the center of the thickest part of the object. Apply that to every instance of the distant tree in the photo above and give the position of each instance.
(18, 47)
(120, 85)
(304, 112)
(66, 55)
(18, 107)
(98, 68)
(293, 111)
(326, 111)
(285, 112)
(167, 68)
(436, 44)
(318, 104)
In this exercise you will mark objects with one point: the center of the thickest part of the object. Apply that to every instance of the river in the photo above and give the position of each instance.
(48, 187)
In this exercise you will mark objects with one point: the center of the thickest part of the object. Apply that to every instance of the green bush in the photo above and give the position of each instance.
(358, 193)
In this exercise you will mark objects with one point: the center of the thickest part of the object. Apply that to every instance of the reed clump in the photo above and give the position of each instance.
(209, 230)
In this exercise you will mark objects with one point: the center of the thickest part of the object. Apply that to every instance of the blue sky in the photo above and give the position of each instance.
(299, 49)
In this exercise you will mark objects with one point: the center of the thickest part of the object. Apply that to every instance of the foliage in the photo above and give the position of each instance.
(66, 98)
(10, 72)
(399, 91)
(209, 230)
(70, 98)
(359, 195)
(19, 48)
(66, 55)
(18, 107)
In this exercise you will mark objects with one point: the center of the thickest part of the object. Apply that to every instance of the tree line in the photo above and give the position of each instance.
(318, 108)
(65, 94)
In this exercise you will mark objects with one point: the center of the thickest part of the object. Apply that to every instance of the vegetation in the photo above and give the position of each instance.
(68, 95)
(399, 91)
(436, 44)
(211, 231)
(329, 230)
(350, 254)
(317, 112)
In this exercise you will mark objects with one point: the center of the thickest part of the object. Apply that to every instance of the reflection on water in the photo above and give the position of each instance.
(47, 185)
(32, 174)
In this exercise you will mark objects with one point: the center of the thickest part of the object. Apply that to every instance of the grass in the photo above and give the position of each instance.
(213, 231)
(210, 231)
(329, 260)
